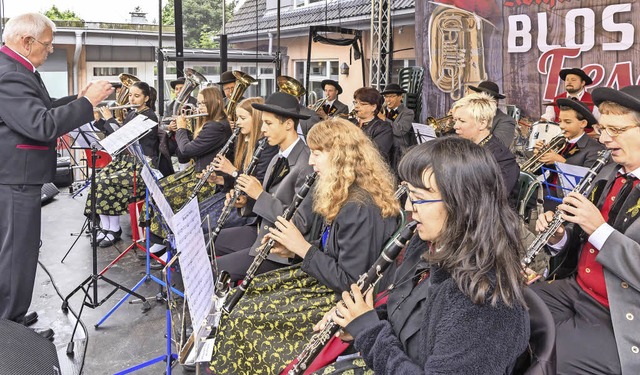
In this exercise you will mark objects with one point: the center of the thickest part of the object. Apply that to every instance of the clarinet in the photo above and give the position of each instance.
(365, 283)
(263, 252)
(209, 170)
(583, 188)
(226, 210)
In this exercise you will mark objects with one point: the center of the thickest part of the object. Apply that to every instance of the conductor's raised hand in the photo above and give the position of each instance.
(249, 185)
(288, 235)
(580, 210)
(543, 222)
(97, 91)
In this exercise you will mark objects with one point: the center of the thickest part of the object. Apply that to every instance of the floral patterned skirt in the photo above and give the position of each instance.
(115, 187)
(271, 324)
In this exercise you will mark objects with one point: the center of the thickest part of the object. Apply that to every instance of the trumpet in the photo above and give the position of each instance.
(533, 164)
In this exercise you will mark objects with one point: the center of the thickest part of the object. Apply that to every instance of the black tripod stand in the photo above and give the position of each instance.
(90, 285)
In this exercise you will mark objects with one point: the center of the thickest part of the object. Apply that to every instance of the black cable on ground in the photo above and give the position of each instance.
(84, 328)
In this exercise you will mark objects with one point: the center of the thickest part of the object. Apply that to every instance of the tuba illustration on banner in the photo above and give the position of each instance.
(456, 50)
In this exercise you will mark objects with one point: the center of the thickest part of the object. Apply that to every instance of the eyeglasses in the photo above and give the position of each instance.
(613, 131)
(422, 201)
(48, 45)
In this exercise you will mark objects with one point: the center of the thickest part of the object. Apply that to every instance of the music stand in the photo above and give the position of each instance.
(423, 133)
(569, 177)
(114, 144)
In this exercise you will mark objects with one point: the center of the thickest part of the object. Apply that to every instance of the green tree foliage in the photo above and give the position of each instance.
(201, 20)
(55, 14)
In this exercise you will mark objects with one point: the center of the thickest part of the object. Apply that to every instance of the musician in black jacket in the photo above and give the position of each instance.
(332, 107)
(115, 186)
(401, 119)
(30, 122)
(367, 104)
(456, 305)
(503, 126)
(473, 116)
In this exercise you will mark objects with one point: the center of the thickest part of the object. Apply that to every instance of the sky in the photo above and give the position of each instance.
(88, 10)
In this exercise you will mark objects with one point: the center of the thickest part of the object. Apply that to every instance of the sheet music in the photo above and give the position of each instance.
(423, 132)
(570, 175)
(194, 263)
(127, 134)
(156, 194)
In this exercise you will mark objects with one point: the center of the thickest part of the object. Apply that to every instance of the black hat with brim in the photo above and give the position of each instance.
(393, 88)
(227, 77)
(490, 88)
(282, 104)
(628, 97)
(179, 81)
(579, 107)
(579, 72)
(332, 83)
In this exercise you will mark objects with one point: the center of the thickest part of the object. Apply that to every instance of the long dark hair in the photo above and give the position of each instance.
(480, 241)
(148, 91)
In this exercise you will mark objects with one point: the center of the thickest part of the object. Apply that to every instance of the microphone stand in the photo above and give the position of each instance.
(90, 285)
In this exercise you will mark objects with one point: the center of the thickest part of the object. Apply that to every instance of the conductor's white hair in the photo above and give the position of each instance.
(27, 24)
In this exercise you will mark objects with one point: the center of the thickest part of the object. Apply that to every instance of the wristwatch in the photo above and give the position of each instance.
(234, 174)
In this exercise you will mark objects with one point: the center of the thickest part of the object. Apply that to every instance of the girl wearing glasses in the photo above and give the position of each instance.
(456, 305)
(354, 194)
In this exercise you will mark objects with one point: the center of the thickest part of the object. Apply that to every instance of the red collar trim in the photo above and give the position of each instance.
(11, 53)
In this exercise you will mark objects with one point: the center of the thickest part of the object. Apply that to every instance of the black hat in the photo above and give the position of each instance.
(393, 88)
(628, 97)
(332, 83)
(227, 77)
(179, 81)
(577, 71)
(490, 88)
(282, 104)
(579, 107)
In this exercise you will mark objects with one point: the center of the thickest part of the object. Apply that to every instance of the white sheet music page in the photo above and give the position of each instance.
(423, 132)
(570, 175)
(156, 194)
(194, 263)
(127, 134)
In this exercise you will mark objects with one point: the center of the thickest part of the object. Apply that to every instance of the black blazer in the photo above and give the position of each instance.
(205, 147)
(503, 127)
(585, 153)
(337, 108)
(381, 134)
(30, 123)
(356, 238)
(261, 168)
(508, 166)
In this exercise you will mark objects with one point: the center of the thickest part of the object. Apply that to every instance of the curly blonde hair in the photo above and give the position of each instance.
(357, 163)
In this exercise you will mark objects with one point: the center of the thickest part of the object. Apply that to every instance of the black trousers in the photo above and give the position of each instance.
(585, 343)
(232, 249)
(20, 216)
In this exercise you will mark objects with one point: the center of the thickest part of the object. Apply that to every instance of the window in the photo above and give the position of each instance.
(319, 71)
(302, 3)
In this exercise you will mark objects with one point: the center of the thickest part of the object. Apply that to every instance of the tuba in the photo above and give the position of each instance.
(193, 79)
(243, 81)
(123, 96)
(456, 51)
(291, 86)
(533, 164)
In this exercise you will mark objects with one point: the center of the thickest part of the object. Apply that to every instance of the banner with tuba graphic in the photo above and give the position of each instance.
(522, 45)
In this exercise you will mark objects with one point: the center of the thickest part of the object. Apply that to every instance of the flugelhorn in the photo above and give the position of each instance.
(243, 81)
(456, 51)
(584, 187)
(319, 103)
(365, 283)
(533, 164)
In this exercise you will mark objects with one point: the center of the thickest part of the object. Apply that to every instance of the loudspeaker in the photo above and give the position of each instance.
(49, 190)
(63, 177)
(25, 352)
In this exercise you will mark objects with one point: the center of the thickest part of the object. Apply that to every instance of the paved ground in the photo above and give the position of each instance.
(129, 336)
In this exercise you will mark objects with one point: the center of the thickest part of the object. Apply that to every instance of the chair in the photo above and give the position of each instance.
(540, 356)
(528, 185)
(411, 79)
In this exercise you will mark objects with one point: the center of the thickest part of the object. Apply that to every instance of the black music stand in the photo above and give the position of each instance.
(91, 296)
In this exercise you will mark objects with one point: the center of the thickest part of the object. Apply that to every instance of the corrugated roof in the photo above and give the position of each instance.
(244, 20)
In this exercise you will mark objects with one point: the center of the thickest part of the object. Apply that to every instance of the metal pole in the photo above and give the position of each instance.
(177, 15)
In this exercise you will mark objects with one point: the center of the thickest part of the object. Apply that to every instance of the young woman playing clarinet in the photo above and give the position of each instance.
(456, 305)
(354, 193)
(115, 183)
